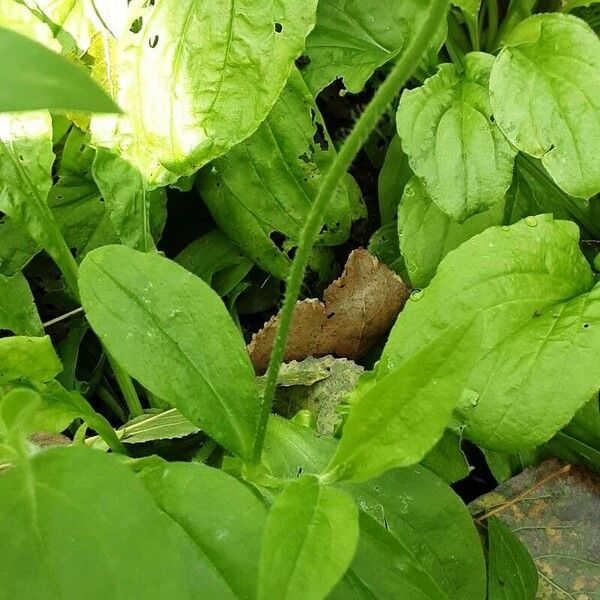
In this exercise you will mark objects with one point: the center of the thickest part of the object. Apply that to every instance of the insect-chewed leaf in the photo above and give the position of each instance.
(512, 574)
(17, 308)
(544, 89)
(268, 182)
(171, 332)
(535, 299)
(351, 40)
(185, 116)
(452, 144)
(222, 516)
(309, 541)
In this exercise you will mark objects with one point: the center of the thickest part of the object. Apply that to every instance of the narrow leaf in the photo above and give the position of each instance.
(309, 541)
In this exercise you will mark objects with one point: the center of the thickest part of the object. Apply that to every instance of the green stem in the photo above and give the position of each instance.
(407, 63)
(473, 29)
(492, 28)
(127, 388)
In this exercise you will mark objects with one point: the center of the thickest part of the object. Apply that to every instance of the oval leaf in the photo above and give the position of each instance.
(28, 358)
(531, 288)
(170, 331)
(452, 144)
(309, 542)
(544, 88)
(185, 116)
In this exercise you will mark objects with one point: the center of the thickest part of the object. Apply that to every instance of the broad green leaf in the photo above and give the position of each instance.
(195, 115)
(267, 183)
(543, 88)
(398, 414)
(217, 260)
(385, 245)
(36, 78)
(82, 19)
(75, 523)
(26, 178)
(353, 38)
(17, 308)
(393, 177)
(17, 17)
(309, 541)
(569, 5)
(170, 331)
(427, 234)
(222, 516)
(425, 515)
(531, 288)
(127, 199)
(384, 569)
(428, 521)
(29, 358)
(451, 141)
(512, 574)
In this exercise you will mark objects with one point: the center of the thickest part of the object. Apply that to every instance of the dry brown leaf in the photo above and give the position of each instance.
(357, 309)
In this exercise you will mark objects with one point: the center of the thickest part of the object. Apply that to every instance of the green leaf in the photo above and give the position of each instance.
(425, 515)
(26, 173)
(216, 260)
(18, 312)
(116, 540)
(127, 199)
(226, 524)
(268, 182)
(384, 568)
(512, 573)
(427, 234)
(469, 7)
(400, 413)
(393, 177)
(36, 78)
(451, 141)
(172, 333)
(196, 115)
(531, 288)
(351, 40)
(542, 87)
(320, 528)
(29, 358)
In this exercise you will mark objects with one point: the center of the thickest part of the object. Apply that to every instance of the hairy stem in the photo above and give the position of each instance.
(405, 66)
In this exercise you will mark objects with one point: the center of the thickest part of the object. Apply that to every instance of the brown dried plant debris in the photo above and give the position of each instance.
(357, 310)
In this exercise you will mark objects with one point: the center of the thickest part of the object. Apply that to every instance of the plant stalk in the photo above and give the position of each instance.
(127, 388)
(397, 78)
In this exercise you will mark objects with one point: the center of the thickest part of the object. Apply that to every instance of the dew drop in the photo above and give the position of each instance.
(416, 295)
(531, 221)
(505, 228)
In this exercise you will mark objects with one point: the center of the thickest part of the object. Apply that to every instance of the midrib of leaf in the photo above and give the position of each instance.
(232, 420)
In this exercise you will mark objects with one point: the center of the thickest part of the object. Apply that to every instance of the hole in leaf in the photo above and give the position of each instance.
(302, 61)
(278, 27)
(586, 325)
(153, 41)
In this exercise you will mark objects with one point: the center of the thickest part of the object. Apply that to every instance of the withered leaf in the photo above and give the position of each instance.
(558, 520)
(318, 385)
(357, 309)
